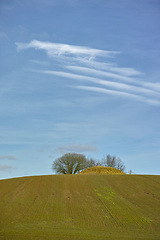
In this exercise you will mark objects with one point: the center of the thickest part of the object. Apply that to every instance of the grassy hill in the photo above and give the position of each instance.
(80, 206)
(101, 170)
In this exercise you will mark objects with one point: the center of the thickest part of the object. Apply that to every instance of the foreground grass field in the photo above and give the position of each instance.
(80, 207)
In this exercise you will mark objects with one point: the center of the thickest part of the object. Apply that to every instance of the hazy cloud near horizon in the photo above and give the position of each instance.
(7, 168)
(8, 157)
(79, 148)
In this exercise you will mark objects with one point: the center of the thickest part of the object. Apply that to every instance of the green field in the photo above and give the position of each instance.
(80, 207)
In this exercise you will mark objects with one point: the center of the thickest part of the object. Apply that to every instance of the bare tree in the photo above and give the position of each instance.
(91, 163)
(70, 163)
(112, 161)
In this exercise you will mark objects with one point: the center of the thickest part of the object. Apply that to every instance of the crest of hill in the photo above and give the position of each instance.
(101, 170)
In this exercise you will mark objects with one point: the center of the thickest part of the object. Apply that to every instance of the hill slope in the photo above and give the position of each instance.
(80, 207)
(101, 170)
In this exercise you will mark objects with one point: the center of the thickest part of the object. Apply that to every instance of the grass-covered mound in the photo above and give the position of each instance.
(101, 170)
(80, 207)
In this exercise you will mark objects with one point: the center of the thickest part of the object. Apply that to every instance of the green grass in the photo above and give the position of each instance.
(101, 170)
(80, 207)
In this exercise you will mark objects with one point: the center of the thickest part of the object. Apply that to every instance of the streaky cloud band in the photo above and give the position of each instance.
(119, 93)
(88, 64)
(111, 84)
(53, 49)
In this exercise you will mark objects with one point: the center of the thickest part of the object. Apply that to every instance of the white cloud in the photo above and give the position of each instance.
(112, 84)
(125, 71)
(119, 93)
(150, 85)
(128, 72)
(92, 67)
(54, 49)
(155, 86)
(100, 73)
(115, 72)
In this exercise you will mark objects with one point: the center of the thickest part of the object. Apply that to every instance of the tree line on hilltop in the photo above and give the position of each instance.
(72, 163)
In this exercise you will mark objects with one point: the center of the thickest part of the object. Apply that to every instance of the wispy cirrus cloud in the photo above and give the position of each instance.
(91, 65)
(120, 93)
(80, 54)
(100, 73)
(112, 84)
(125, 74)
(57, 49)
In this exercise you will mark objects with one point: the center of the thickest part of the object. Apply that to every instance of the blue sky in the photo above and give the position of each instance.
(79, 76)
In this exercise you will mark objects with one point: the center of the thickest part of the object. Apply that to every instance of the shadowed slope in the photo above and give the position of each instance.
(101, 170)
(80, 207)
